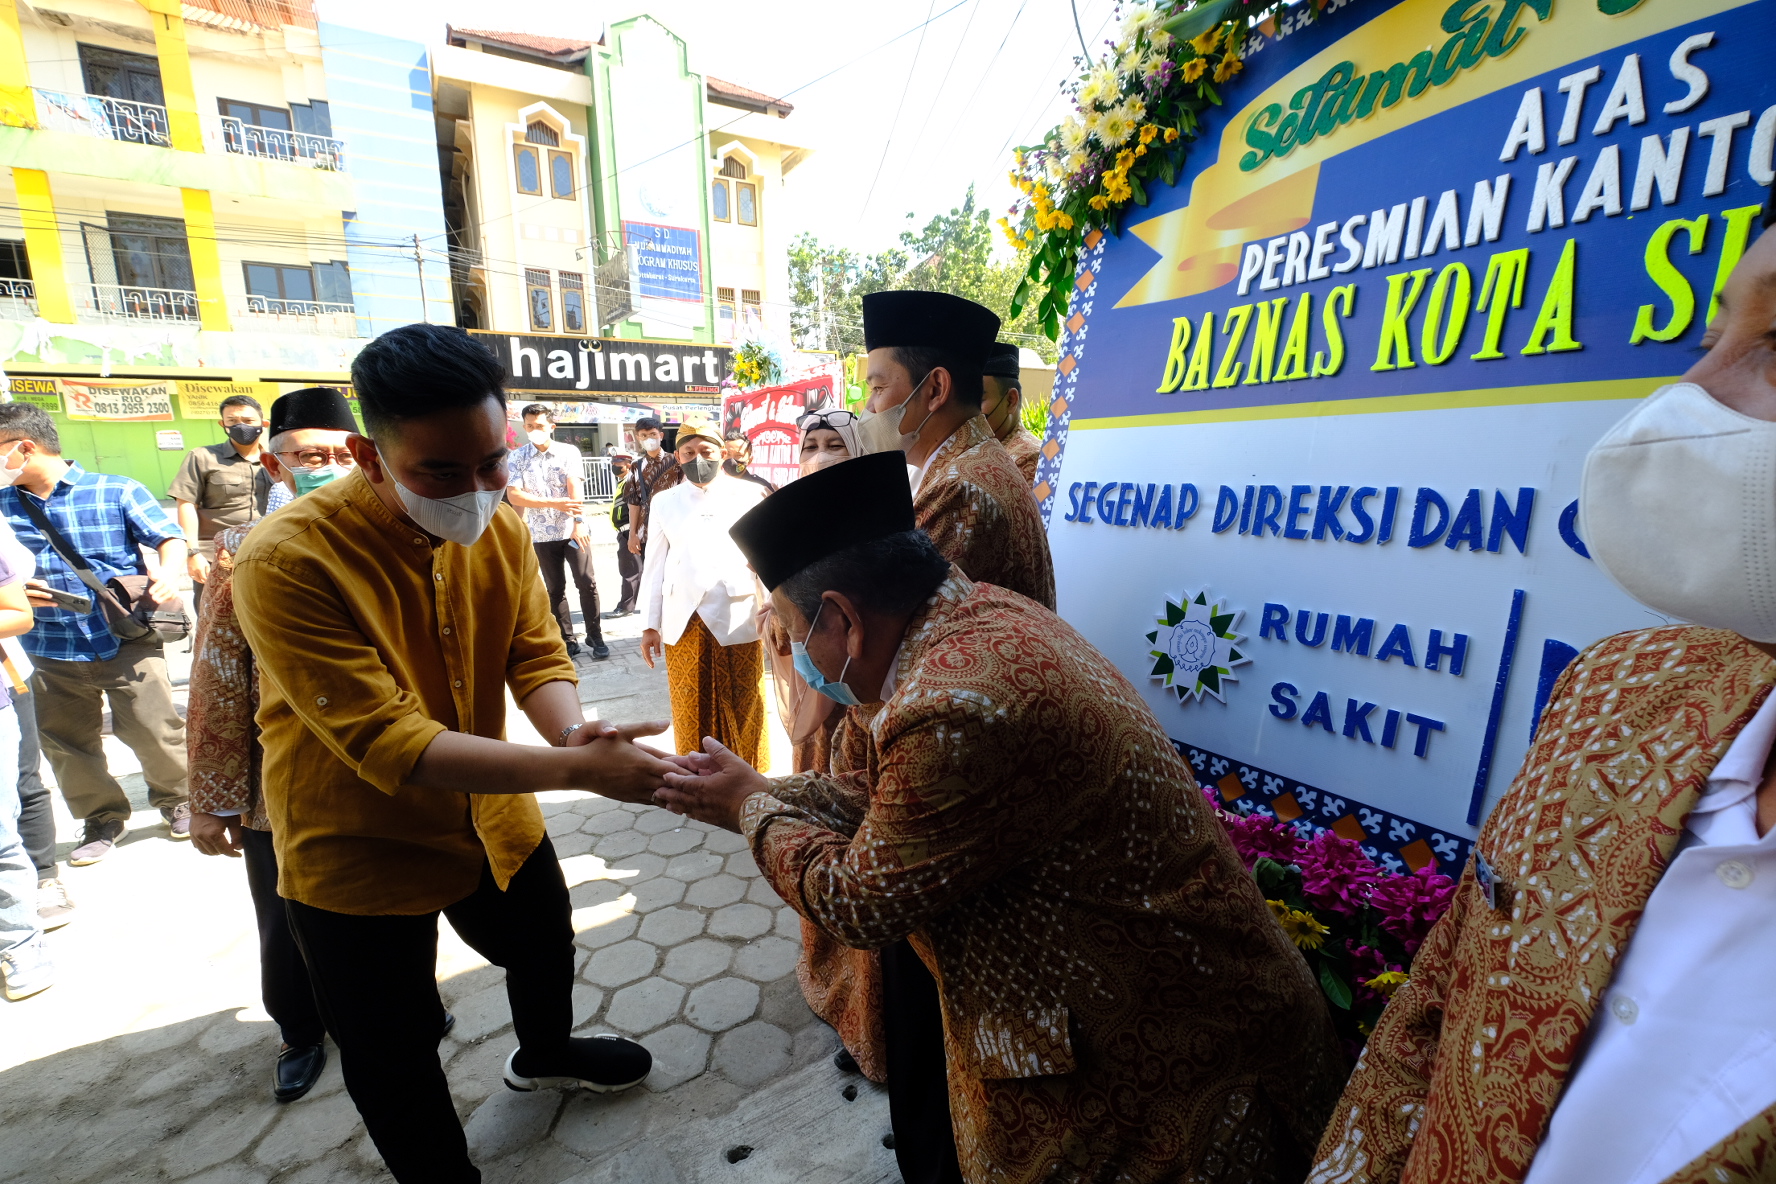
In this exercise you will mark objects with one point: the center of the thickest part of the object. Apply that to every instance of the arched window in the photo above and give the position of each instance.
(529, 168)
(541, 133)
(718, 200)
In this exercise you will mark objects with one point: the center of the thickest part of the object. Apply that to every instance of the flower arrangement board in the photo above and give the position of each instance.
(1343, 295)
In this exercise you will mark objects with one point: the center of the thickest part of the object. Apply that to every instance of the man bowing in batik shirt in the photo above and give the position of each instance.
(1597, 1002)
(1117, 1001)
(926, 353)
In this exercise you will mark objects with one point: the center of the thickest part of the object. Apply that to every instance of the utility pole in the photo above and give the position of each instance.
(425, 312)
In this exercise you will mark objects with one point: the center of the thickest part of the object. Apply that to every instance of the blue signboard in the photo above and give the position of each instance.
(669, 260)
(1322, 406)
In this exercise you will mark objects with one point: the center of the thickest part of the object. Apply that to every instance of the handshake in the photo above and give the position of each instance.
(709, 786)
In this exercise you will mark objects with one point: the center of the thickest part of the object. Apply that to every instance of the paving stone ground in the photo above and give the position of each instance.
(151, 1058)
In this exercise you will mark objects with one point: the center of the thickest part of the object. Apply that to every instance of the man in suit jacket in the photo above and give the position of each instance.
(1596, 1004)
(701, 601)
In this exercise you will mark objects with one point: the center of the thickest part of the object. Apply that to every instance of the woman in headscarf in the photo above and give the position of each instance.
(842, 985)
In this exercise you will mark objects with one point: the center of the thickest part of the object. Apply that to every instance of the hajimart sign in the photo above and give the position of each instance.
(1325, 403)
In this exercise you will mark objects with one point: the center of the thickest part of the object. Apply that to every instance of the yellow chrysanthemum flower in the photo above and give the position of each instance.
(1098, 202)
(1171, 134)
(1229, 66)
(1301, 926)
(1206, 43)
(1148, 132)
(1193, 69)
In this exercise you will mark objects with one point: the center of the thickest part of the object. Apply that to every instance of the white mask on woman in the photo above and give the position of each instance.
(1678, 506)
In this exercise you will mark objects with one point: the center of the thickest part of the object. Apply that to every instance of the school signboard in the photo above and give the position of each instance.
(1322, 407)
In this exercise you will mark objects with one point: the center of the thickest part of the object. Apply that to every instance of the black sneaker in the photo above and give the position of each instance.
(100, 839)
(600, 650)
(573, 648)
(605, 1063)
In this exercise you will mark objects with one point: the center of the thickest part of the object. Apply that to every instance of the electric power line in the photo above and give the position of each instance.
(895, 122)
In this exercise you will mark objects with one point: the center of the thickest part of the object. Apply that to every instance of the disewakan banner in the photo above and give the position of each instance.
(1324, 404)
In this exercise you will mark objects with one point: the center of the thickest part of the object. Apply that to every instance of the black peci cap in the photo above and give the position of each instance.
(935, 320)
(1002, 362)
(853, 502)
(311, 407)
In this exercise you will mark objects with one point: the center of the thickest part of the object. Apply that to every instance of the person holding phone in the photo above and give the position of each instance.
(81, 666)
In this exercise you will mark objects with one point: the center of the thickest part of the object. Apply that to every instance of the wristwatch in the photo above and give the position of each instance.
(561, 740)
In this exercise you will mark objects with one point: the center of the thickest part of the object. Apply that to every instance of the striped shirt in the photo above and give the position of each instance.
(108, 519)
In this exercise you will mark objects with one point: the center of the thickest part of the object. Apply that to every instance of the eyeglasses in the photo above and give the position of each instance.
(317, 458)
(826, 419)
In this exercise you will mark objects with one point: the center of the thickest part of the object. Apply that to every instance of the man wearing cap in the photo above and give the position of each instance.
(306, 450)
(1596, 1003)
(1117, 1001)
(1002, 404)
(926, 352)
(700, 601)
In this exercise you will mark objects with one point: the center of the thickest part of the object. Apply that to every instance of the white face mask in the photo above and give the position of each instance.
(538, 436)
(461, 519)
(1678, 506)
(8, 473)
(649, 444)
(879, 431)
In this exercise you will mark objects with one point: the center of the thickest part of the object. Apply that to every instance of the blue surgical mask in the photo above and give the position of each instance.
(833, 688)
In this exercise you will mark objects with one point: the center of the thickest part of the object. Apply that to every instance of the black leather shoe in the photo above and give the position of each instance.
(298, 1069)
(573, 648)
(600, 650)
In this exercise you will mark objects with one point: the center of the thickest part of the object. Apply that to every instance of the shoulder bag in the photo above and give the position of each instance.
(130, 612)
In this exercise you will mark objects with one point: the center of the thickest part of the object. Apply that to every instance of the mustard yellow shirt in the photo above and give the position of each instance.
(370, 641)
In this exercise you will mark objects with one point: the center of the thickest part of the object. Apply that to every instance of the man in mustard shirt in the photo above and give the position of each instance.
(389, 612)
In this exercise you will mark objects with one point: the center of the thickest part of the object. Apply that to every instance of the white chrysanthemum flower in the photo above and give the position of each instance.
(1073, 135)
(1076, 162)
(1140, 19)
(1101, 86)
(1133, 109)
(1115, 127)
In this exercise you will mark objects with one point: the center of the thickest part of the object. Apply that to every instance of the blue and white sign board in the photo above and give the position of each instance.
(668, 260)
(1322, 407)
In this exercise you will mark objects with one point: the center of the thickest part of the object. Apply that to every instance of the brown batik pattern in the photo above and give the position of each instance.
(1025, 450)
(978, 509)
(717, 690)
(1464, 1069)
(1118, 1002)
(221, 740)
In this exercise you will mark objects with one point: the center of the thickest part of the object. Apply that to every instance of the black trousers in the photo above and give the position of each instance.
(283, 975)
(376, 981)
(553, 558)
(918, 1082)
(629, 568)
(36, 818)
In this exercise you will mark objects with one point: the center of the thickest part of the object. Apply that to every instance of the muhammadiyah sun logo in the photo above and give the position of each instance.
(1193, 648)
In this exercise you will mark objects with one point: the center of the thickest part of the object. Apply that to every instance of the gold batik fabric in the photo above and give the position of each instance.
(221, 740)
(977, 507)
(1025, 450)
(717, 690)
(1464, 1069)
(1118, 1002)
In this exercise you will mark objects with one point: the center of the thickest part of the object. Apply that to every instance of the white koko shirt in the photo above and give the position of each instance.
(1683, 1051)
(692, 566)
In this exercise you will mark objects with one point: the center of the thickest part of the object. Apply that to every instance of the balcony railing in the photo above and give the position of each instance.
(102, 117)
(18, 300)
(272, 143)
(325, 317)
(122, 302)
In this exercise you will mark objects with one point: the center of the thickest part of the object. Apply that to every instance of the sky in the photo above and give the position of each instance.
(902, 125)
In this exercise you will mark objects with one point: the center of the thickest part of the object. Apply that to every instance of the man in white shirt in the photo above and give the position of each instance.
(1597, 1003)
(545, 486)
(700, 600)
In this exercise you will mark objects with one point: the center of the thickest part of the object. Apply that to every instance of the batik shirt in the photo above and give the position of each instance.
(1460, 1079)
(547, 473)
(977, 507)
(1119, 1004)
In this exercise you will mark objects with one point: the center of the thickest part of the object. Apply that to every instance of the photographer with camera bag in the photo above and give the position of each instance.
(102, 616)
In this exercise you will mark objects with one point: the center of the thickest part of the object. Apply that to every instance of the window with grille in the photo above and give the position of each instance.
(752, 312)
(734, 167)
(541, 133)
(573, 301)
(561, 174)
(530, 170)
(724, 314)
(746, 203)
(542, 305)
(14, 263)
